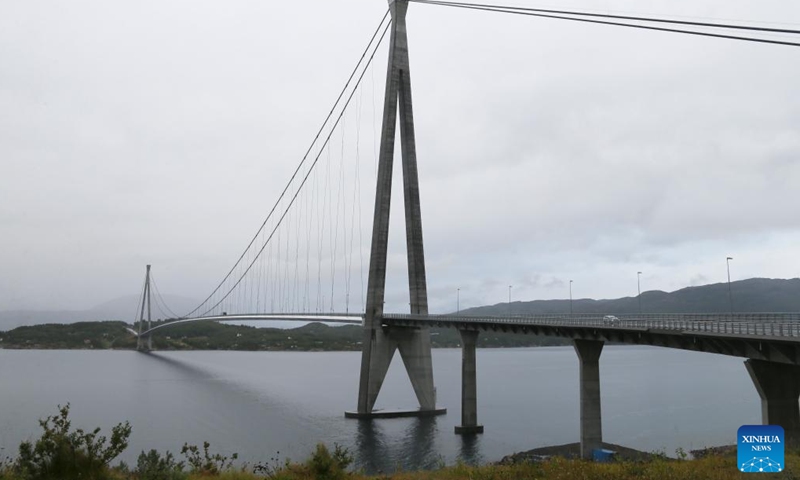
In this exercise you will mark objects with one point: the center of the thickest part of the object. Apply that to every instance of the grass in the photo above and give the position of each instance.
(709, 468)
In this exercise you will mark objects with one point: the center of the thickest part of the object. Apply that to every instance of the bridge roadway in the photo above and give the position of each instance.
(772, 337)
(769, 341)
(145, 339)
(345, 318)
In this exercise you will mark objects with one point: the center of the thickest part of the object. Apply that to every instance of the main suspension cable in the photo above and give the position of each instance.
(617, 17)
(533, 13)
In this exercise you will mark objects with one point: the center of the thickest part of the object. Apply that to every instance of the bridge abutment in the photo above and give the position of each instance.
(469, 384)
(591, 419)
(778, 385)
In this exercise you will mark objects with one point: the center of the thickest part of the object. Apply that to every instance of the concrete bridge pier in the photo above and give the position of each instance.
(469, 397)
(380, 341)
(144, 343)
(414, 346)
(379, 346)
(591, 422)
(140, 340)
(778, 385)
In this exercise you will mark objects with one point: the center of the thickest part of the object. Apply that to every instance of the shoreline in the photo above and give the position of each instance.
(571, 451)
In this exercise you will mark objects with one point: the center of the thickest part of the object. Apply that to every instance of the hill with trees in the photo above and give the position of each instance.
(219, 336)
(752, 295)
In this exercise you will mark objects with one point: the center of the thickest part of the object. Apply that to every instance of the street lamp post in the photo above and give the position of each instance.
(570, 297)
(639, 290)
(730, 294)
(509, 299)
(458, 300)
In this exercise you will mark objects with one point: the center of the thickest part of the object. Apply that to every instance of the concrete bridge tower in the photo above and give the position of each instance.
(380, 342)
(145, 344)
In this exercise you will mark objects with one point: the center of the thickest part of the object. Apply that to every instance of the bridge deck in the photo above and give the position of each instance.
(763, 336)
(344, 318)
(757, 324)
(770, 336)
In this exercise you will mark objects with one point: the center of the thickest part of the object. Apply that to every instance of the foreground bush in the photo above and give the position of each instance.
(61, 453)
(153, 466)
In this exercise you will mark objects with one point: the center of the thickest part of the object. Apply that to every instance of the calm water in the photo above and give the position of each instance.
(262, 403)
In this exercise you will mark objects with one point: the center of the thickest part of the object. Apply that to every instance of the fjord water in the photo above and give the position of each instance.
(267, 405)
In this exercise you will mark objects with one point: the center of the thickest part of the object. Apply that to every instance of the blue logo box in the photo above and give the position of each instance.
(760, 448)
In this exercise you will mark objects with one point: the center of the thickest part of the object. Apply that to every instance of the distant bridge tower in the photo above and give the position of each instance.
(380, 342)
(140, 343)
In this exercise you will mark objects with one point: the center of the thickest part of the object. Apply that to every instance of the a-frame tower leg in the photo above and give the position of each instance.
(380, 343)
(141, 344)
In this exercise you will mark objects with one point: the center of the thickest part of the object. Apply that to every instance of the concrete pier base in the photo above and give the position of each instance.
(396, 413)
(591, 420)
(469, 429)
(778, 385)
(414, 345)
(469, 396)
(144, 344)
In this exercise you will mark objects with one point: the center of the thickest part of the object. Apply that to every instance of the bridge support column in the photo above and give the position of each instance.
(414, 345)
(469, 396)
(144, 343)
(591, 420)
(379, 345)
(140, 340)
(380, 341)
(778, 385)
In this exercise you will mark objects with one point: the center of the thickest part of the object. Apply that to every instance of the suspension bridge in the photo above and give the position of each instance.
(306, 261)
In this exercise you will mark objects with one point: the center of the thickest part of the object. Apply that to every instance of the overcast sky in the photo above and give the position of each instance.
(162, 132)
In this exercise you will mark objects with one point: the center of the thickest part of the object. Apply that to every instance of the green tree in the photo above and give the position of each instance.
(61, 453)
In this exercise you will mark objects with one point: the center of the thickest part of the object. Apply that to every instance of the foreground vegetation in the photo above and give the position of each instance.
(64, 453)
(218, 336)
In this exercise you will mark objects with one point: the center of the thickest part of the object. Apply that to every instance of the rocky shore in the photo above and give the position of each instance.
(572, 451)
(723, 451)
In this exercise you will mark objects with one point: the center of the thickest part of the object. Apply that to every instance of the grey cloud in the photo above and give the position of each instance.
(162, 133)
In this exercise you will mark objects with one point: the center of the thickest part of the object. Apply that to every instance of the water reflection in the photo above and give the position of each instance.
(371, 451)
(418, 447)
(469, 452)
(379, 449)
(183, 367)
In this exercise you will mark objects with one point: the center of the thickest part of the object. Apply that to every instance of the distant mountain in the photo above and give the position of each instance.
(752, 295)
(126, 308)
(123, 308)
